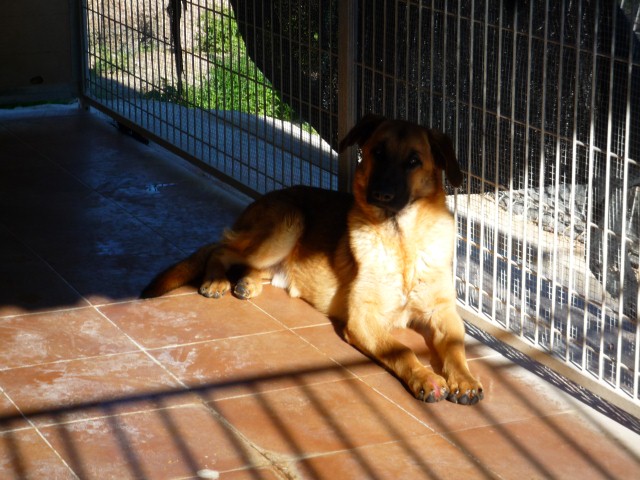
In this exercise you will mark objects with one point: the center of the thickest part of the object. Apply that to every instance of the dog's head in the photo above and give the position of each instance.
(401, 162)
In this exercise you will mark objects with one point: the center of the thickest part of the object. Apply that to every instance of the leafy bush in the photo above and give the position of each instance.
(234, 83)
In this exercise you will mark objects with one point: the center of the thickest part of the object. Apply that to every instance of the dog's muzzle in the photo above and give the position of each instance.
(389, 200)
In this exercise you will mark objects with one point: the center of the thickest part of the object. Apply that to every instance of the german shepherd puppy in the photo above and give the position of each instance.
(378, 259)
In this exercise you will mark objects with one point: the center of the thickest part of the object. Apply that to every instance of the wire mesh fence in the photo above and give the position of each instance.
(182, 71)
(542, 99)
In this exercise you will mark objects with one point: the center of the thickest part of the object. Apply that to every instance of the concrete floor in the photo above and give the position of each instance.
(97, 384)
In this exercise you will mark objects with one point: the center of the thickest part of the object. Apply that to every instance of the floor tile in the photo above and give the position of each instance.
(28, 283)
(98, 236)
(292, 312)
(84, 233)
(166, 443)
(319, 418)
(29, 177)
(558, 446)
(415, 341)
(76, 389)
(85, 230)
(184, 319)
(156, 186)
(245, 365)
(25, 455)
(250, 474)
(508, 396)
(422, 457)
(10, 417)
(156, 191)
(60, 335)
(327, 340)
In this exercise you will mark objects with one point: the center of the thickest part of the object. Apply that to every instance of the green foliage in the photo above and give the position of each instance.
(167, 93)
(107, 62)
(234, 83)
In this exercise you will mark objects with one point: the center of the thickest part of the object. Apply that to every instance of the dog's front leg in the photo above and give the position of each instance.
(367, 333)
(444, 335)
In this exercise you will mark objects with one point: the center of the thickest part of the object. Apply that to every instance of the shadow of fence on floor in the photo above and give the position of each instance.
(59, 425)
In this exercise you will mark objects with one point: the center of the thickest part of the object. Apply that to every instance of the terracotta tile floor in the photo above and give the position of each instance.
(96, 384)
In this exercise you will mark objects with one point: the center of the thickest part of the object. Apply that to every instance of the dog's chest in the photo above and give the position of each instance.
(418, 248)
(402, 259)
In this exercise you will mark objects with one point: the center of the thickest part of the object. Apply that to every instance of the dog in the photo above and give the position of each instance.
(374, 260)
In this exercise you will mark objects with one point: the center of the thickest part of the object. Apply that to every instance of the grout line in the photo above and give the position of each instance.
(120, 414)
(55, 272)
(212, 340)
(442, 435)
(142, 349)
(283, 389)
(255, 449)
(268, 314)
(69, 360)
(38, 432)
(139, 348)
(134, 300)
(294, 331)
(400, 406)
(43, 312)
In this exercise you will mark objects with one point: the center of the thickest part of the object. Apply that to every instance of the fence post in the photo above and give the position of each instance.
(347, 105)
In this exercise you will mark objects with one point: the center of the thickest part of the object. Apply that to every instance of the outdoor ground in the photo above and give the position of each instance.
(95, 383)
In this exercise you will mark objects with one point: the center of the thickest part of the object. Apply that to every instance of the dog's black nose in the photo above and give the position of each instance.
(383, 197)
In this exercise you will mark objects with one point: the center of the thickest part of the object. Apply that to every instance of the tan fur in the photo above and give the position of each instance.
(369, 266)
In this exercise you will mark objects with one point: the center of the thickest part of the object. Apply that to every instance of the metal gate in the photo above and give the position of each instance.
(542, 99)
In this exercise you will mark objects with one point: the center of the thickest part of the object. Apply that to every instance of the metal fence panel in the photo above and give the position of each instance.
(182, 71)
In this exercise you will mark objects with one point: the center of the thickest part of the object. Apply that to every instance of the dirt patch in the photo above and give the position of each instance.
(130, 42)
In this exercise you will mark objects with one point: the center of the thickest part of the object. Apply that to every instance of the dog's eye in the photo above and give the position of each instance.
(378, 153)
(414, 162)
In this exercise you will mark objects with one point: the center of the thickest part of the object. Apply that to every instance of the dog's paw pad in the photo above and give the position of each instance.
(428, 398)
(469, 397)
(429, 387)
(242, 290)
(213, 291)
(211, 294)
(433, 396)
(247, 288)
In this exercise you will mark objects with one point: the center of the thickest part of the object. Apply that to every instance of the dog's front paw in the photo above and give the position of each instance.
(464, 389)
(428, 386)
(247, 288)
(214, 288)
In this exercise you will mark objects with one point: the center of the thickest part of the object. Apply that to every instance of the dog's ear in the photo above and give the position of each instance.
(445, 156)
(361, 131)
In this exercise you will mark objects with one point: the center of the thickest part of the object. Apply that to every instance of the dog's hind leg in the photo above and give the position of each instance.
(258, 243)
(182, 273)
(269, 252)
(215, 282)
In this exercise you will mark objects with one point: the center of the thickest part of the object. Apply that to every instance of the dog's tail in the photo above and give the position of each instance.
(182, 273)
